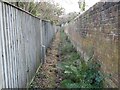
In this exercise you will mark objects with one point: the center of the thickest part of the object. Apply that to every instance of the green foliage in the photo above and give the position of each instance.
(87, 76)
(69, 84)
(50, 11)
(45, 10)
(76, 72)
(82, 5)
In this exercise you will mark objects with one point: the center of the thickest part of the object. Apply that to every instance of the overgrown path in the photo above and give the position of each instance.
(65, 68)
(47, 74)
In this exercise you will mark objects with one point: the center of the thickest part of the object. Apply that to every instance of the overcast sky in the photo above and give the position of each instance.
(72, 5)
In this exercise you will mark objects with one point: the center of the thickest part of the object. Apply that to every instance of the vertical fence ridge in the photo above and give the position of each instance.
(2, 79)
(21, 39)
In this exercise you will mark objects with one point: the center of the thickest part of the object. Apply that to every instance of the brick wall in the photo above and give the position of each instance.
(95, 32)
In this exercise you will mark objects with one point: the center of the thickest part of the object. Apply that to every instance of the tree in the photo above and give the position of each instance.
(27, 6)
(82, 5)
(50, 11)
(69, 17)
(44, 10)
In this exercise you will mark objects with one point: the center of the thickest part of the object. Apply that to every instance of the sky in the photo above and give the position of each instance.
(72, 5)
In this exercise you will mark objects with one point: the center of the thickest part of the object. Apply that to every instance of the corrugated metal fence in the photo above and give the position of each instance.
(23, 41)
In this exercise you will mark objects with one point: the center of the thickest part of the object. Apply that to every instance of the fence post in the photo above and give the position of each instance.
(2, 51)
(42, 43)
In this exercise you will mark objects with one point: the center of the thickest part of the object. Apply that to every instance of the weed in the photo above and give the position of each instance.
(76, 72)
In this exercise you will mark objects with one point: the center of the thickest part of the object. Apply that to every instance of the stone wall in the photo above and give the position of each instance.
(95, 32)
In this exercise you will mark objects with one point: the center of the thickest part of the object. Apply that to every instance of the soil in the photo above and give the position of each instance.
(48, 75)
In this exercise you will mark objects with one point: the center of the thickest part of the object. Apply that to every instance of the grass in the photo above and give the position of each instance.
(76, 72)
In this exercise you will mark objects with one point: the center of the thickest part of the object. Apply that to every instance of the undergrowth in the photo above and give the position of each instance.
(76, 72)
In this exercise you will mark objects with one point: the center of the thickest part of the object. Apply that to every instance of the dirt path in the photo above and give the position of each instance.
(47, 75)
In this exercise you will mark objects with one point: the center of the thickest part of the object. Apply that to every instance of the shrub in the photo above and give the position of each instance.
(76, 72)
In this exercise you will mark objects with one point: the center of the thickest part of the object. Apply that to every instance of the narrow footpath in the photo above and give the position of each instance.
(65, 68)
(47, 74)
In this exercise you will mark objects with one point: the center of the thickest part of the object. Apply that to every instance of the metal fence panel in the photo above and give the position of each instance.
(21, 39)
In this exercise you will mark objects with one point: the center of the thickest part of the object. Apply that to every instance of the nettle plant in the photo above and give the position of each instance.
(76, 72)
(82, 75)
